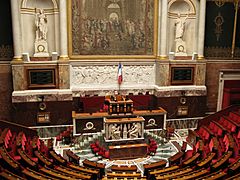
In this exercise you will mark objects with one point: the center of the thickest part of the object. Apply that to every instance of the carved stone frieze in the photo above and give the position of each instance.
(107, 75)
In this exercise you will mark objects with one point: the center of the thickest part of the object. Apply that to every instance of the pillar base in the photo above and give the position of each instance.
(162, 57)
(64, 57)
(200, 57)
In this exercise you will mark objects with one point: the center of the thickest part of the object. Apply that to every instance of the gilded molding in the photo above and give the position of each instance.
(16, 61)
(162, 57)
(64, 57)
(200, 57)
(75, 27)
(33, 11)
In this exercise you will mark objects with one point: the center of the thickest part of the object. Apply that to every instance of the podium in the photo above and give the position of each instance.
(120, 106)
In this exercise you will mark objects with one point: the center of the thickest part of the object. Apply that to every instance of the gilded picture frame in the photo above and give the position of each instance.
(112, 29)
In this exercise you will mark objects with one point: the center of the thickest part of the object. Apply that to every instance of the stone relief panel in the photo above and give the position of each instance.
(106, 75)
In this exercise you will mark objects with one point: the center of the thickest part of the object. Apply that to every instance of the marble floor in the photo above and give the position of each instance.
(166, 148)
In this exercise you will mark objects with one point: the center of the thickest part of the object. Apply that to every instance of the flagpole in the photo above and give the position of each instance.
(119, 88)
(120, 77)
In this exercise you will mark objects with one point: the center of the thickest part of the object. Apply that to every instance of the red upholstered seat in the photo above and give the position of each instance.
(238, 136)
(95, 150)
(106, 154)
(101, 153)
(93, 145)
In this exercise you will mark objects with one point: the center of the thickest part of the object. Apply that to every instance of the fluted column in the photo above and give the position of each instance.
(163, 35)
(16, 28)
(63, 29)
(201, 32)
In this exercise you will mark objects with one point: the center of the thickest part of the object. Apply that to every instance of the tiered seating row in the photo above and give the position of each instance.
(37, 164)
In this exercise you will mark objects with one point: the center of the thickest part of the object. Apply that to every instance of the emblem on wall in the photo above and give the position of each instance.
(218, 22)
(219, 3)
(89, 126)
(151, 123)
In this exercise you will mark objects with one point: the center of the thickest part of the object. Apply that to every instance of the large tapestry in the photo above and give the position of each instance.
(219, 29)
(112, 27)
(6, 40)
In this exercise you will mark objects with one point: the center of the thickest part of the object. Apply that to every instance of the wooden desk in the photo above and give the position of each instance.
(191, 159)
(42, 158)
(212, 176)
(175, 173)
(57, 158)
(72, 157)
(73, 173)
(4, 173)
(164, 170)
(154, 119)
(8, 159)
(124, 168)
(154, 166)
(176, 158)
(222, 161)
(25, 158)
(128, 151)
(207, 160)
(159, 164)
(234, 166)
(95, 165)
(124, 175)
(193, 174)
(29, 173)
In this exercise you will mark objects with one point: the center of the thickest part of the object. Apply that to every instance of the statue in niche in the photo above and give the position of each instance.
(180, 26)
(41, 24)
(134, 130)
(41, 45)
(179, 32)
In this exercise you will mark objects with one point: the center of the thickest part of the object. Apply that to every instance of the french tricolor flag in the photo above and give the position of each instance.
(120, 77)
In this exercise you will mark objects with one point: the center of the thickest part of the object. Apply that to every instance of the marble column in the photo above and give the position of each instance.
(159, 28)
(16, 28)
(163, 35)
(63, 30)
(201, 31)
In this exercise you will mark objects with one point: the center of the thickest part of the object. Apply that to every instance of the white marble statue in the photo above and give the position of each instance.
(41, 24)
(180, 26)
